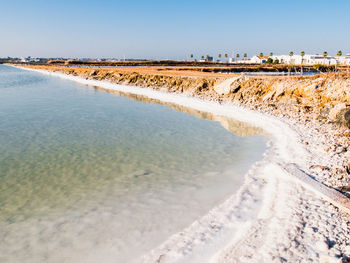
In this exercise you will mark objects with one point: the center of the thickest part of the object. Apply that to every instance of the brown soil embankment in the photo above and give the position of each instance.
(325, 97)
(217, 67)
(190, 82)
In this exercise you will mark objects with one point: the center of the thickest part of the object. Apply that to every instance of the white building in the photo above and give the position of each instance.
(259, 59)
(308, 59)
(319, 59)
(344, 60)
(29, 59)
(244, 61)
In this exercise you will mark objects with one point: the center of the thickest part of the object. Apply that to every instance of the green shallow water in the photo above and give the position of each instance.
(87, 175)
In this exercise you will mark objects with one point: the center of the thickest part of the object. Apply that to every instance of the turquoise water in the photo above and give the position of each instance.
(91, 176)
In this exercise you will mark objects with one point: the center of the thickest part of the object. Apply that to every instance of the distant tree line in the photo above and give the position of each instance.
(237, 55)
(261, 54)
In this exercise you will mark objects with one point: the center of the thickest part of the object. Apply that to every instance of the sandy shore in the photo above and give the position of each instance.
(284, 212)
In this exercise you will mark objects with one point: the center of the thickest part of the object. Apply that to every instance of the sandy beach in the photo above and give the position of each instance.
(293, 206)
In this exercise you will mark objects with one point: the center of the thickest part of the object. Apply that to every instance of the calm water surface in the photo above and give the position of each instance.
(90, 176)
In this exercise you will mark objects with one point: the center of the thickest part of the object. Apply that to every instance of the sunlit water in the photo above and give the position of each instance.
(92, 176)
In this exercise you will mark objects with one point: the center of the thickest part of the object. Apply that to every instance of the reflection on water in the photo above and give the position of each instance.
(90, 177)
(237, 127)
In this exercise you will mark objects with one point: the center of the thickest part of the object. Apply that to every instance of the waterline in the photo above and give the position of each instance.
(88, 175)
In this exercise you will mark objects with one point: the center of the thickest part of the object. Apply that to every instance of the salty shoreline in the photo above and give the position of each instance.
(255, 225)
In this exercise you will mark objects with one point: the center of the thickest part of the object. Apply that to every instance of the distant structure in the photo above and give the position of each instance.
(259, 59)
(30, 59)
(312, 59)
(318, 59)
(207, 59)
(307, 59)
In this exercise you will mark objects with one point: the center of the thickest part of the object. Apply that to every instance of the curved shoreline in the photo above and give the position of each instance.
(286, 156)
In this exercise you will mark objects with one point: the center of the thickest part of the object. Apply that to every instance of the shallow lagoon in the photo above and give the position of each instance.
(88, 175)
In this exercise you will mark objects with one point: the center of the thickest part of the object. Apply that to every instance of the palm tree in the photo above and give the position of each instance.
(302, 54)
(207, 57)
(325, 54)
(202, 57)
(219, 56)
(271, 54)
(261, 54)
(339, 54)
(226, 56)
(291, 54)
(191, 56)
(237, 56)
(245, 55)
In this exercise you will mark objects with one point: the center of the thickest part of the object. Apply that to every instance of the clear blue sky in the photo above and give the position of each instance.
(171, 28)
